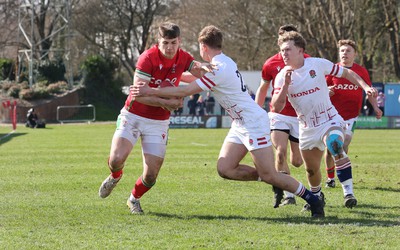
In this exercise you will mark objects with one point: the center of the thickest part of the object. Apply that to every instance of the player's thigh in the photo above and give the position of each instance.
(125, 136)
(120, 148)
(231, 154)
(263, 159)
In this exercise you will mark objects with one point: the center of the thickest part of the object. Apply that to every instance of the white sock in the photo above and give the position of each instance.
(347, 187)
(132, 198)
(288, 194)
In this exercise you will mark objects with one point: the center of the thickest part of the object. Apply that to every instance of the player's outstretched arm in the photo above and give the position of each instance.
(151, 101)
(142, 89)
(357, 80)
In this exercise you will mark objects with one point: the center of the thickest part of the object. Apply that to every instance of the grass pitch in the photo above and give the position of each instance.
(49, 196)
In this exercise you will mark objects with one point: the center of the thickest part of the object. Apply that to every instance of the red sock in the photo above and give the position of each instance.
(140, 188)
(330, 172)
(117, 174)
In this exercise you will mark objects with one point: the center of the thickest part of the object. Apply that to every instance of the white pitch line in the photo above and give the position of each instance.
(199, 144)
(7, 135)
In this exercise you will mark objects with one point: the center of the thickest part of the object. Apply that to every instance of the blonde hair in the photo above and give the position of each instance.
(294, 36)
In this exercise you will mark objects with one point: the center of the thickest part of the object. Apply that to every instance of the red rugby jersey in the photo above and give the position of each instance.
(161, 72)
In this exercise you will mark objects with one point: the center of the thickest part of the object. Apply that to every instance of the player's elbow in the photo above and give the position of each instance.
(277, 106)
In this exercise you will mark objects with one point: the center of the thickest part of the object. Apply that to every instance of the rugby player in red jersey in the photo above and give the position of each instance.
(147, 118)
(347, 99)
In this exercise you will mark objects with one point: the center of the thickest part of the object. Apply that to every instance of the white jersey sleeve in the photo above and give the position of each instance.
(230, 91)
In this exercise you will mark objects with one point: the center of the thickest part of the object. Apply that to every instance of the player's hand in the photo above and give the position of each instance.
(288, 76)
(371, 91)
(199, 69)
(208, 67)
(140, 89)
(173, 103)
(331, 91)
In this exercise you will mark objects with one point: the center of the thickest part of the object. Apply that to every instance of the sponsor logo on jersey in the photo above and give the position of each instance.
(346, 86)
(161, 66)
(304, 93)
(251, 141)
(312, 73)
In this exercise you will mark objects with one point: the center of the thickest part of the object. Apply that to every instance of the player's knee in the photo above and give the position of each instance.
(297, 162)
(116, 163)
(222, 171)
(334, 142)
(150, 178)
(281, 157)
(310, 172)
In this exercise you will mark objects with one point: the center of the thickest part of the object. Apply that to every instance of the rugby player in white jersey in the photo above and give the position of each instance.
(249, 131)
(303, 82)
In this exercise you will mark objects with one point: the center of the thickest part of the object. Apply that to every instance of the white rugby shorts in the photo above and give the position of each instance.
(155, 132)
(284, 122)
(313, 137)
(253, 136)
(350, 126)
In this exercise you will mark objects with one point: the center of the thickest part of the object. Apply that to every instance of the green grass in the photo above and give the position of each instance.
(50, 178)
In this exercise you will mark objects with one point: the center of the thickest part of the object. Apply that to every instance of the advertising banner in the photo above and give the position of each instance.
(392, 99)
(189, 121)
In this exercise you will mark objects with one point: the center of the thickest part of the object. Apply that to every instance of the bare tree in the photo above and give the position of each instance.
(247, 25)
(8, 28)
(119, 28)
(391, 11)
(125, 28)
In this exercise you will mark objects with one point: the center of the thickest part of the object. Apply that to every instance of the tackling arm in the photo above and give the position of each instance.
(188, 77)
(142, 89)
(171, 104)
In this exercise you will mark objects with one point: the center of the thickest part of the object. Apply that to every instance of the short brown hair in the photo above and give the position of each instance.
(347, 42)
(286, 28)
(169, 30)
(211, 36)
(294, 36)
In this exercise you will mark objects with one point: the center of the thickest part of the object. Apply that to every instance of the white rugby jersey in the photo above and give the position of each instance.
(308, 92)
(230, 91)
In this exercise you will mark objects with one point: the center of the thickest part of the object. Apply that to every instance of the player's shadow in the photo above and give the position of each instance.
(334, 220)
(385, 189)
(4, 138)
